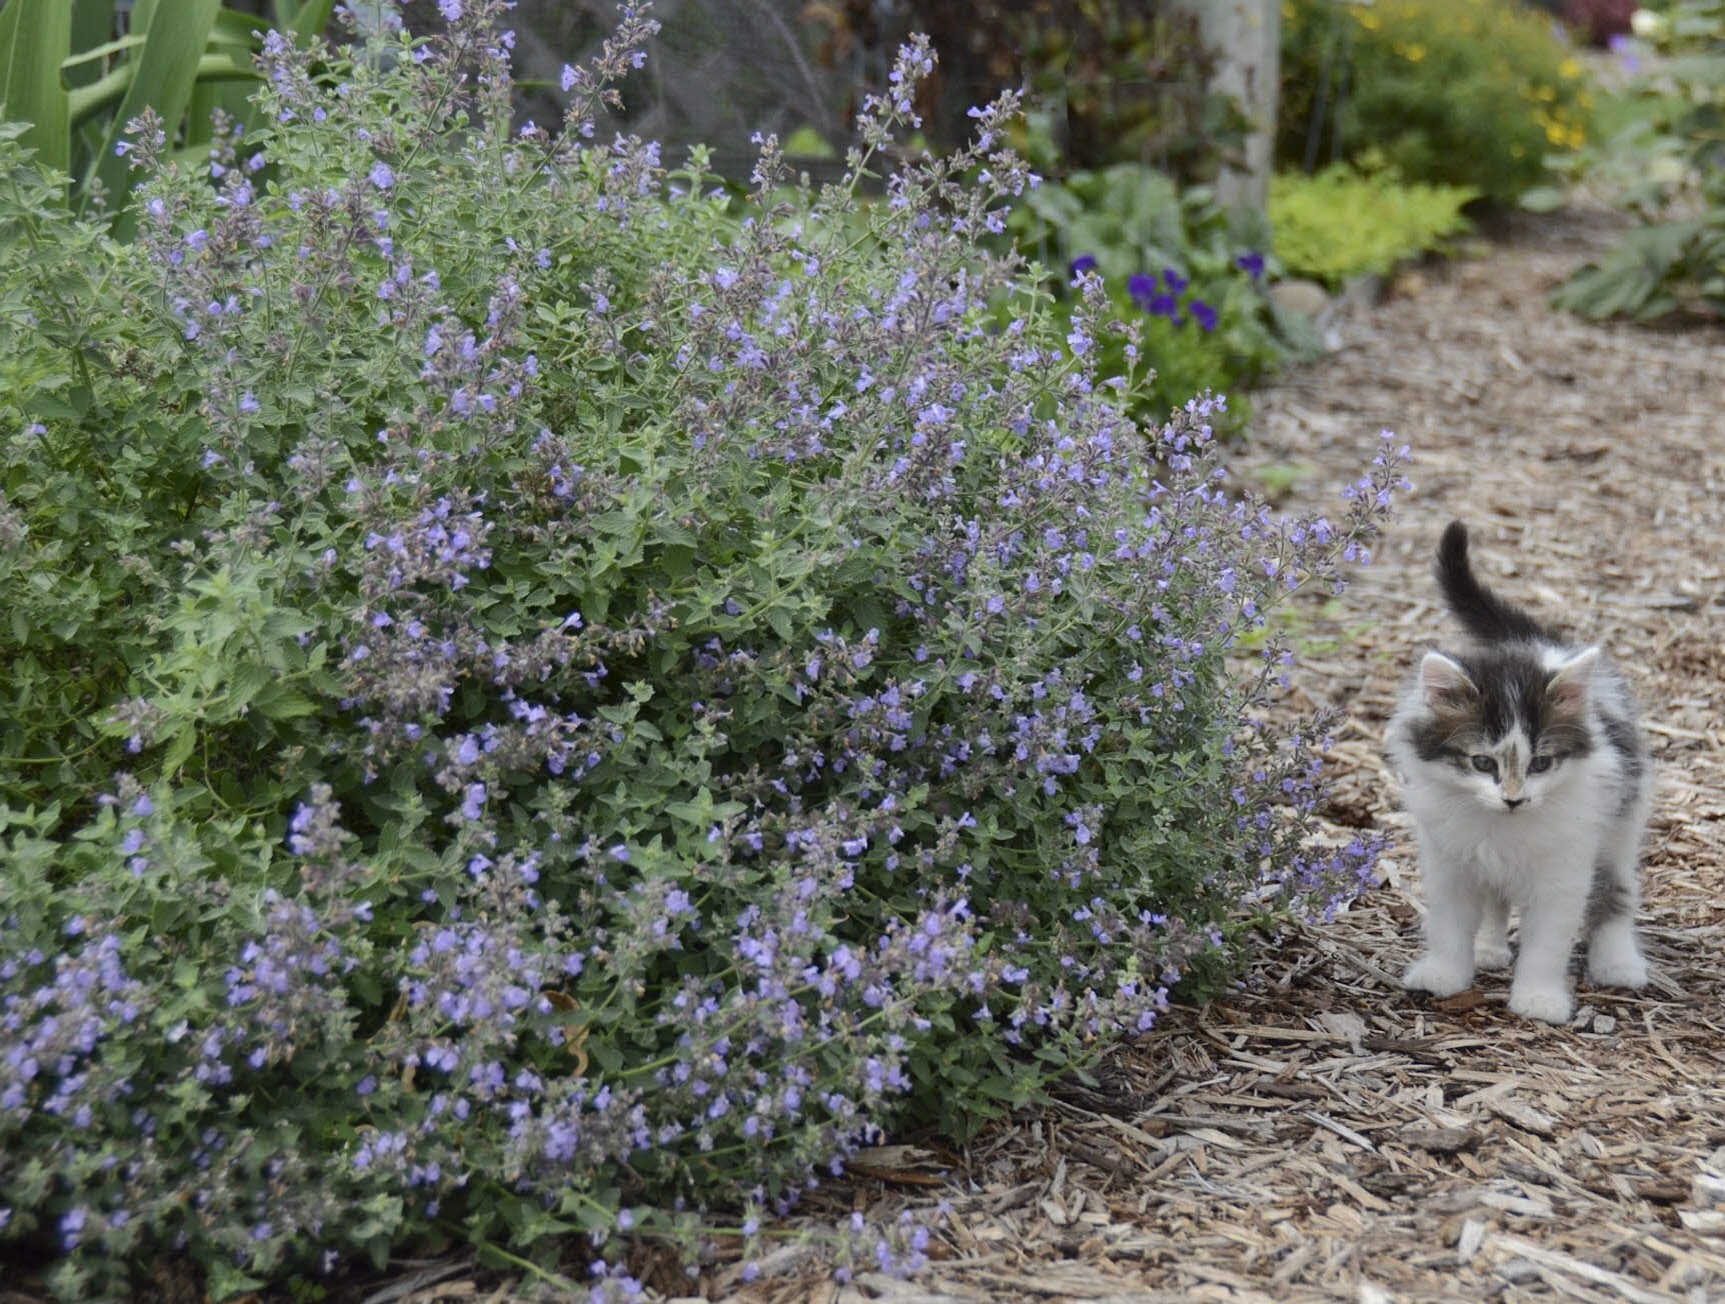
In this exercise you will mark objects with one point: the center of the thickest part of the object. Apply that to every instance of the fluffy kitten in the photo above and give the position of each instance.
(1529, 784)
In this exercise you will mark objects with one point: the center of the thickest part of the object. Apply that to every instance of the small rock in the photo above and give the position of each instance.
(1307, 298)
(1367, 289)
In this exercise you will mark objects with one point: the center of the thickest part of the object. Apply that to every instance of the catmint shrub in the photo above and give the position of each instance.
(598, 704)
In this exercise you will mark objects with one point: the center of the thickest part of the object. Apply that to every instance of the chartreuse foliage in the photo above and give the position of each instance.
(1473, 93)
(1339, 223)
(531, 705)
(1666, 165)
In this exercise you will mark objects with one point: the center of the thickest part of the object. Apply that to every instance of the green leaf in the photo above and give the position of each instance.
(35, 38)
(1543, 199)
(308, 20)
(97, 55)
(92, 20)
(166, 70)
(277, 701)
(180, 749)
(806, 142)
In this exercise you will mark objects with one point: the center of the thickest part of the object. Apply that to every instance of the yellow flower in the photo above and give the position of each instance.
(1569, 69)
(1370, 21)
(1415, 52)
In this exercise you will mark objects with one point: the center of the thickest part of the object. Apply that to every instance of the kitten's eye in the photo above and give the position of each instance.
(1539, 765)
(1485, 765)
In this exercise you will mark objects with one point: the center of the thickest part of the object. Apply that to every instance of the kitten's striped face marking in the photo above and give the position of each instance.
(1501, 727)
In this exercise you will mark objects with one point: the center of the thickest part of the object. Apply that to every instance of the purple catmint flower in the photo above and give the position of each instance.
(473, 801)
(72, 1227)
(1082, 264)
(1251, 263)
(1203, 314)
(1141, 287)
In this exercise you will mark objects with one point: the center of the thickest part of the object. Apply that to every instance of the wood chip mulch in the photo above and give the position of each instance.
(1320, 1134)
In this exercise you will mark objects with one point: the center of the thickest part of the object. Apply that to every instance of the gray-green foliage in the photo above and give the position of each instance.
(1667, 166)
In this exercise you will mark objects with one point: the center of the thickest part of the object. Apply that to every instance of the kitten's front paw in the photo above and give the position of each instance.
(1428, 974)
(1544, 1005)
(1492, 955)
(1626, 969)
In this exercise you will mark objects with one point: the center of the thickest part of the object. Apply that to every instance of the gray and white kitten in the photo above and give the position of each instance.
(1529, 784)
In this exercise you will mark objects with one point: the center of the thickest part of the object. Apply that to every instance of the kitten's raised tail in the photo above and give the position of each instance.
(1482, 613)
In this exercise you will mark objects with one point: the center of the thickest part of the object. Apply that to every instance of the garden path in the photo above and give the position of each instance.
(1321, 1134)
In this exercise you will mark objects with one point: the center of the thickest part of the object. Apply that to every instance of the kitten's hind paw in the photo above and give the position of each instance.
(1544, 1005)
(1618, 970)
(1492, 955)
(1428, 974)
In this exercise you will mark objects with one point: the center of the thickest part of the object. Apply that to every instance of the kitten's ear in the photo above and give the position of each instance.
(1569, 688)
(1444, 684)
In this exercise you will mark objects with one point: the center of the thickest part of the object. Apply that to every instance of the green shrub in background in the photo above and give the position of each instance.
(1667, 166)
(1191, 276)
(1107, 81)
(1129, 83)
(1340, 223)
(1471, 93)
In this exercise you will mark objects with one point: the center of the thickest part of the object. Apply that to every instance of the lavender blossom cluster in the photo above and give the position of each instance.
(673, 693)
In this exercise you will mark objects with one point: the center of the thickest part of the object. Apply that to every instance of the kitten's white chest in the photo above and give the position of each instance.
(1524, 852)
(1506, 858)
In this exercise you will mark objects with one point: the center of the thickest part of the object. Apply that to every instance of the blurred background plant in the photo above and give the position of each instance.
(1115, 81)
(1472, 93)
(1665, 163)
(1343, 222)
(78, 71)
(1194, 275)
(1595, 22)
